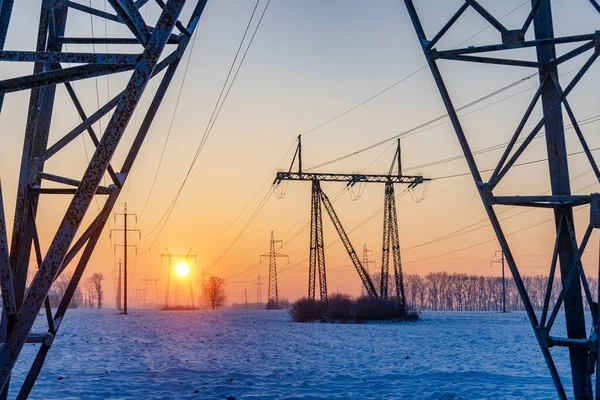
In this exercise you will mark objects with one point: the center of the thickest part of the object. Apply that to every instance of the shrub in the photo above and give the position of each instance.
(369, 309)
(340, 306)
(302, 310)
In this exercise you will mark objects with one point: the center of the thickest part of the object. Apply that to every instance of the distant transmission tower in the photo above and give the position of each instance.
(273, 300)
(551, 103)
(258, 293)
(171, 257)
(142, 50)
(155, 282)
(366, 262)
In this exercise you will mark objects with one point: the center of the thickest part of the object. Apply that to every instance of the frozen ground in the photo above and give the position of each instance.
(262, 355)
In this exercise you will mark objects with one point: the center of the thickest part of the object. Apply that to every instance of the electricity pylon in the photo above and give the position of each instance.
(553, 96)
(366, 261)
(318, 197)
(258, 285)
(144, 56)
(273, 300)
(125, 246)
(155, 282)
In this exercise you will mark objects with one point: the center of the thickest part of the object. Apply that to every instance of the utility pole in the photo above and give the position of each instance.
(246, 297)
(125, 231)
(119, 287)
(501, 260)
(273, 300)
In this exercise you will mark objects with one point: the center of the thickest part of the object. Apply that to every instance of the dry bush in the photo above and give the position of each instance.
(340, 307)
(302, 310)
(343, 308)
(369, 309)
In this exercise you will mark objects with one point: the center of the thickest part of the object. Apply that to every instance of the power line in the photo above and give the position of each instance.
(162, 154)
(471, 228)
(244, 228)
(585, 121)
(269, 179)
(207, 129)
(516, 165)
(445, 236)
(261, 205)
(393, 85)
(423, 125)
(212, 120)
(327, 122)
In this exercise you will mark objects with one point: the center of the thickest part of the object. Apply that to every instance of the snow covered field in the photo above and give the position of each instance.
(262, 355)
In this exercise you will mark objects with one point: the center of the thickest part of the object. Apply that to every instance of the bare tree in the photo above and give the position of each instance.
(440, 291)
(214, 292)
(77, 300)
(284, 303)
(60, 287)
(94, 284)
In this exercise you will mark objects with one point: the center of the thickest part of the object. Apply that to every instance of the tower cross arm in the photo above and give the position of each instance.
(350, 179)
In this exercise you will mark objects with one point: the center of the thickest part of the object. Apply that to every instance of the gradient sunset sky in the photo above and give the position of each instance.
(309, 62)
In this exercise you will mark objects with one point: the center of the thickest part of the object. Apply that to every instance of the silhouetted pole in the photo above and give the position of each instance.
(125, 263)
(125, 231)
(503, 281)
(119, 288)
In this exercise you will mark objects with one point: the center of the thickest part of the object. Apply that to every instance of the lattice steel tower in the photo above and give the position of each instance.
(390, 225)
(273, 299)
(547, 54)
(148, 50)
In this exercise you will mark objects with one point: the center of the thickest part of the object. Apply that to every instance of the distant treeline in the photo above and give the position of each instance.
(441, 291)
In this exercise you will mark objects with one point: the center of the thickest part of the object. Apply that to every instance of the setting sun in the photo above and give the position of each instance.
(182, 269)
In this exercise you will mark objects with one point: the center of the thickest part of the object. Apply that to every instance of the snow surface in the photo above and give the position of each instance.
(263, 355)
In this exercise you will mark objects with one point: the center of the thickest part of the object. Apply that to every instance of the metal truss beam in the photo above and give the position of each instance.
(22, 302)
(391, 240)
(51, 57)
(362, 273)
(583, 349)
(385, 248)
(350, 179)
(317, 250)
(395, 240)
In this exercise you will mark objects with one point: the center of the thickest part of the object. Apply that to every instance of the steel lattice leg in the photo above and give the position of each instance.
(385, 251)
(552, 98)
(20, 312)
